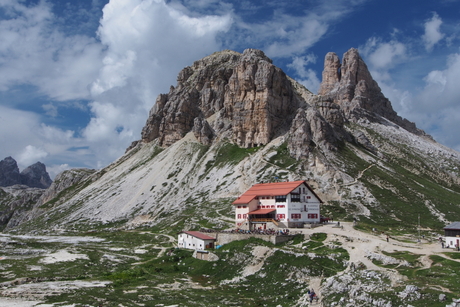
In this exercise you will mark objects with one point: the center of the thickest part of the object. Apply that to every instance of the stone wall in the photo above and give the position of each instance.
(224, 238)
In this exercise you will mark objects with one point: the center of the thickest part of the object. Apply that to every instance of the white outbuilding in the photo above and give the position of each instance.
(452, 235)
(195, 240)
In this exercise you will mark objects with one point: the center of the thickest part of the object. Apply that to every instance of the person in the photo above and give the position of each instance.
(312, 295)
(388, 239)
(442, 244)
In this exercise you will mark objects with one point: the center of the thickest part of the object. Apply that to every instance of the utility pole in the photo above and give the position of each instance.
(419, 227)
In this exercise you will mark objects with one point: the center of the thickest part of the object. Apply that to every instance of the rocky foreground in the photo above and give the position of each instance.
(376, 271)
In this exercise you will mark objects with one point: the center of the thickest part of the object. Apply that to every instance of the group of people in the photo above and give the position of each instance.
(259, 230)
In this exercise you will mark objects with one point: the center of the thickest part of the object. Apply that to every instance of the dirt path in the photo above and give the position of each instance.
(360, 244)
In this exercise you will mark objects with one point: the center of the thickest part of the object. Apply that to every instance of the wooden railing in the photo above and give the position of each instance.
(264, 220)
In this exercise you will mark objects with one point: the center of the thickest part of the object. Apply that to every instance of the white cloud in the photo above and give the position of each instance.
(307, 77)
(23, 124)
(143, 45)
(292, 35)
(433, 33)
(441, 86)
(435, 108)
(30, 155)
(33, 51)
(382, 55)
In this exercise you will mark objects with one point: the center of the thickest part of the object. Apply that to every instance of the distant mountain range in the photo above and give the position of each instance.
(34, 176)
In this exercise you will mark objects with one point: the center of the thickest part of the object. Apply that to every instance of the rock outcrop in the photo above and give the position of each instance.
(242, 97)
(20, 203)
(15, 201)
(34, 176)
(248, 100)
(9, 172)
(351, 86)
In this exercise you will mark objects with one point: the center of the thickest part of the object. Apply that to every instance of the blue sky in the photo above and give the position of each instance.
(77, 79)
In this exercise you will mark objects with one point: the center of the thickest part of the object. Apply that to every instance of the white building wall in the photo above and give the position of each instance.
(452, 241)
(190, 242)
(305, 211)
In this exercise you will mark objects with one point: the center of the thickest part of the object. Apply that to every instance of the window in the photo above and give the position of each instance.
(312, 215)
(308, 197)
(244, 216)
(281, 216)
(281, 206)
(280, 198)
(272, 206)
(296, 216)
(239, 216)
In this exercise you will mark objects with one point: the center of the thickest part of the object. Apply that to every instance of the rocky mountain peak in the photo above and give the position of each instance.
(240, 96)
(246, 99)
(34, 176)
(9, 172)
(351, 85)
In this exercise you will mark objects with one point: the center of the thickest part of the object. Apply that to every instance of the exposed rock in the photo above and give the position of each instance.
(199, 93)
(252, 100)
(9, 172)
(352, 87)
(202, 131)
(300, 140)
(36, 176)
(21, 203)
(331, 74)
(65, 180)
(260, 100)
(362, 139)
(15, 201)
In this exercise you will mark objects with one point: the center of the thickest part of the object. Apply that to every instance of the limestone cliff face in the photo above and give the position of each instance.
(251, 99)
(242, 97)
(248, 100)
(351, 86)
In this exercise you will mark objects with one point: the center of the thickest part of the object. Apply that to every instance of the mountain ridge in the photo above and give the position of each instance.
(234, 120)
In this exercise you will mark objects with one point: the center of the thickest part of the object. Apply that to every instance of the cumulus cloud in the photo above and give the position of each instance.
(147, 44)
(383, 55)
(432, 33)
(32, 140)
(33, 51)
(307, 76)
(30, 155)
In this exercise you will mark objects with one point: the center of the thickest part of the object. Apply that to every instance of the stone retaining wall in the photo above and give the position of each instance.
(224, 238)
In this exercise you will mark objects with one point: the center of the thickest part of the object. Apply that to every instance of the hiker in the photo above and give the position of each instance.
(312, 295)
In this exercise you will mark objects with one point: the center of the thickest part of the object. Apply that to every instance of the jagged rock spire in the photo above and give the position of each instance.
(351, 85)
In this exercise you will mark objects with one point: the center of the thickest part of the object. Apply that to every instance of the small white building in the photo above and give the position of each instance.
(195, 240)
(452, 235)
(291, 204)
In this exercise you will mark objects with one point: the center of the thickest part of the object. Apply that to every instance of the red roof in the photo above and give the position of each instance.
(199, 235)
(262, 211)
(270, 189)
